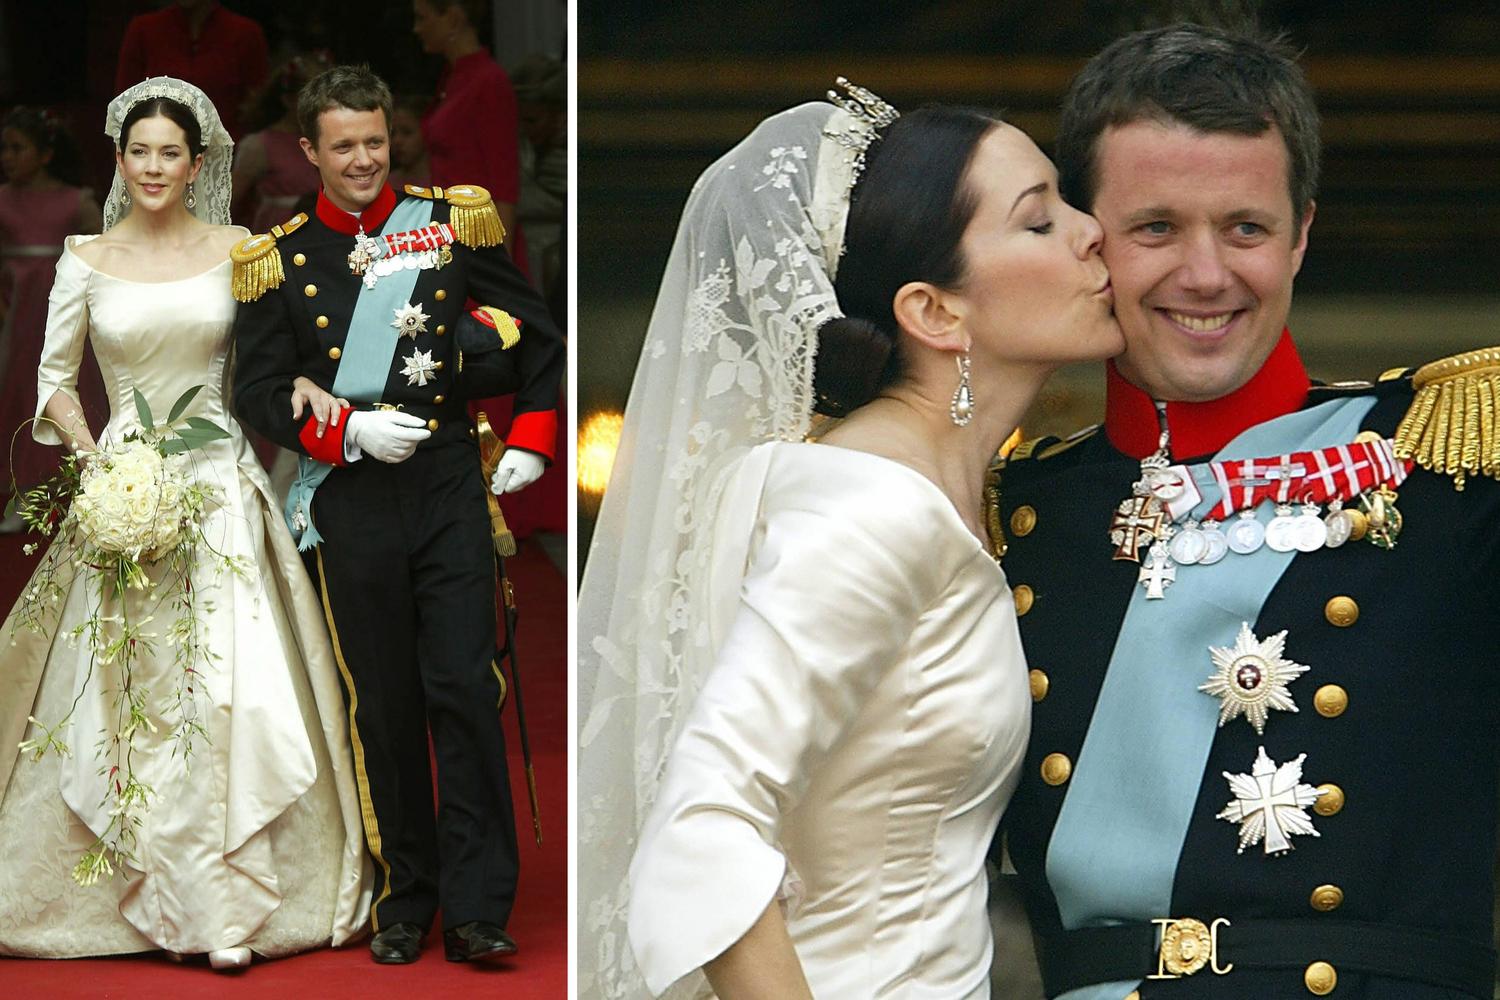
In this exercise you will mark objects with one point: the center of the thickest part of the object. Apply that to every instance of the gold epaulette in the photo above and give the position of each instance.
(472, 216)
(1450, 427)
(257, 267)
(1076, 438)
(505, 325)
(1025, 449)
(994, 527)
(290, 226)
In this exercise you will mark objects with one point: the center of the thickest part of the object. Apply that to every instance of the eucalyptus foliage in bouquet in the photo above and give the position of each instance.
(131, 514)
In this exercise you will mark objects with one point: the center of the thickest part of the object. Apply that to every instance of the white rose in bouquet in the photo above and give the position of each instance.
(133, 501)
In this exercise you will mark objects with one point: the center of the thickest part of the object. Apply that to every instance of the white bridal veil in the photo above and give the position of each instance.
(727, 364)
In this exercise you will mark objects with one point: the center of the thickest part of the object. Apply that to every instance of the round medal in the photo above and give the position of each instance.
(1279, 531)
(1246, 534)
(1188, 546)
(1216, 546)
(1309, 533)
(1339, 528)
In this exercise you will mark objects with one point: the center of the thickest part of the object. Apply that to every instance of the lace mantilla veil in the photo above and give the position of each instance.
(727, 364)
(212, 185)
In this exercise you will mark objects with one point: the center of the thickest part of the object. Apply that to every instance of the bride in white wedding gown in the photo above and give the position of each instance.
(809, 699)
(257, 846)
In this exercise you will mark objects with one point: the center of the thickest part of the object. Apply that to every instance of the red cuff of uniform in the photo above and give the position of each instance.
(330, 447)
(535, 431)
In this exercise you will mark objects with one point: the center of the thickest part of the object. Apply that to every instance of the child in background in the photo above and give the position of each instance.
(40, 204)
(409, 163)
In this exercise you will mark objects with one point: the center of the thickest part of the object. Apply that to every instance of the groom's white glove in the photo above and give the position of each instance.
(516, 470)
(386, 435)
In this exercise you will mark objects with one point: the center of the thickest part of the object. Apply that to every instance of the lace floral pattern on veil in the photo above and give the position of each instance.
(727, 363)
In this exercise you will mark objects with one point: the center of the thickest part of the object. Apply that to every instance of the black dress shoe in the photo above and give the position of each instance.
(398, 944)
(477, 941)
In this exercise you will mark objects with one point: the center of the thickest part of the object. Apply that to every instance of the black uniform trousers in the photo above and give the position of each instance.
(406, 571)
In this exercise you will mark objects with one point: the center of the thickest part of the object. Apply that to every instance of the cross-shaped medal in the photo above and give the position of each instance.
(1158, 573)
(1269, 804)
(1136, 522)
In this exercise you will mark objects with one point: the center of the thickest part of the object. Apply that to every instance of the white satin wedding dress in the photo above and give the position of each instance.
(259, 842)
(854, 744)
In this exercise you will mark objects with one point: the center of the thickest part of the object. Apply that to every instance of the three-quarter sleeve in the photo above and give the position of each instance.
(825, 612)
(62, 348)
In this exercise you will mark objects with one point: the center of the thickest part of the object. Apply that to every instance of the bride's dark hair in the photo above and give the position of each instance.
(907, 215)
(173, 111)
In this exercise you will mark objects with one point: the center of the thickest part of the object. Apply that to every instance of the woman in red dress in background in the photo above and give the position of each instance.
(40, 204)
(271, 173)
(473, 136)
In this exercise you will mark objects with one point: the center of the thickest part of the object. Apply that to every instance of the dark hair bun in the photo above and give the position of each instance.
(849, 366)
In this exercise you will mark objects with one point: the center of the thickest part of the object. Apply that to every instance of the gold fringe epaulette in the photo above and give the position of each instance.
(257, 267)
(994, 526)
(473, 217)
(1450, 427)
(505, 324)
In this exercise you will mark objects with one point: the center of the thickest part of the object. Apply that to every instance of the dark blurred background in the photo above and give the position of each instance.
(1401, 267)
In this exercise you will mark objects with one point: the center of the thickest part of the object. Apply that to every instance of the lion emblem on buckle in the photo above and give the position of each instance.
(1187, 945)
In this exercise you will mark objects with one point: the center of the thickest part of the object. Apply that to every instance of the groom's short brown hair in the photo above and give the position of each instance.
(354, 87)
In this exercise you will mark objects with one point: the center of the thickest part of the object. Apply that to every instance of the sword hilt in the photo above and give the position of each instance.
(490, 450)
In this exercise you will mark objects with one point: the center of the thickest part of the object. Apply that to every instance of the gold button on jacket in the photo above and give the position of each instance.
(1022, 521)
(310, 291)
(1326, 898)
(1056, 768)
(1330, 701)
(334, 353)
(1320, 979)
(1330, 802)
(1039, 685)
(1341, 611)
(1023, 598)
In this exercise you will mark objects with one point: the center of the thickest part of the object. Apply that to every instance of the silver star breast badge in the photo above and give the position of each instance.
(1270, 804)
(419, 368)
(1250, 678)
(410, 320)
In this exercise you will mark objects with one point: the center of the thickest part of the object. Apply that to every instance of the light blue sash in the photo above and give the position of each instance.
(1114, 852)
(365, 364)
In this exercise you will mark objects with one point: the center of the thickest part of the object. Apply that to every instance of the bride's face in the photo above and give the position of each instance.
(1035, 289)
(156, 164)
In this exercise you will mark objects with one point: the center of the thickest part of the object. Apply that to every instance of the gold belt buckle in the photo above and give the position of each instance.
(1187, 945)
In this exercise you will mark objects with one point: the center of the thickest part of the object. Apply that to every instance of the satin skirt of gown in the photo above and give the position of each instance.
(259, 840)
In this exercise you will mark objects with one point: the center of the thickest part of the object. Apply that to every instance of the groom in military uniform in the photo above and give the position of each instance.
(1259, 612)
(366, 298)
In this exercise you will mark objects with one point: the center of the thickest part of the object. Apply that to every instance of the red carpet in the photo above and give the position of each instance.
(540, 921)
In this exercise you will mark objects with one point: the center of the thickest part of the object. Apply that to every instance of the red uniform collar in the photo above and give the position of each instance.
(372, 218)
(1203, 428)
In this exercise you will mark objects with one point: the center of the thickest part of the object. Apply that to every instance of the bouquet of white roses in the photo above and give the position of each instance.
(135, 502)
(133, 512)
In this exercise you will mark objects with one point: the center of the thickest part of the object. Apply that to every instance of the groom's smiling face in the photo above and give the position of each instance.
(352, 154)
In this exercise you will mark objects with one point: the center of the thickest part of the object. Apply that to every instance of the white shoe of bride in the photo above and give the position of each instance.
(229, 958)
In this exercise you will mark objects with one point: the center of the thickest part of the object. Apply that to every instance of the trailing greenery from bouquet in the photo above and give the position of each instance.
(132, 513)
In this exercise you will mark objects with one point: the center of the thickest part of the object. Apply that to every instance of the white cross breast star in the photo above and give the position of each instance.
(1269, 804)
(419, 368)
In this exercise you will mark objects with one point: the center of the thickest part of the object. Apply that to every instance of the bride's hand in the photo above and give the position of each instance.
(325, 406)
